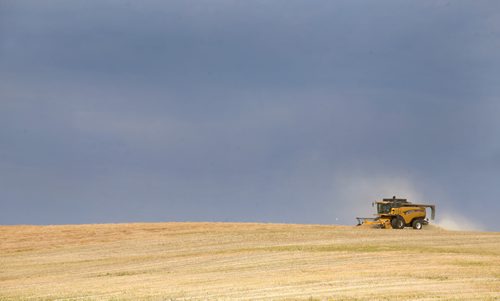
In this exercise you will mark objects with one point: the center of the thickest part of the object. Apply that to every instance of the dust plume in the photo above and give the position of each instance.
(457, 222)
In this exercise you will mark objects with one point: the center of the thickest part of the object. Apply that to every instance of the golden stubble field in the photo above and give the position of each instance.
(243, 261)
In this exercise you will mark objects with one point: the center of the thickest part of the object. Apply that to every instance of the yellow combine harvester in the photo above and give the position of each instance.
(398, 213)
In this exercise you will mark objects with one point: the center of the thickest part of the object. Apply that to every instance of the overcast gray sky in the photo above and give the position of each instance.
(268, 111)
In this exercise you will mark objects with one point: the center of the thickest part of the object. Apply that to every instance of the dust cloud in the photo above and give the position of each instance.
(456, 222)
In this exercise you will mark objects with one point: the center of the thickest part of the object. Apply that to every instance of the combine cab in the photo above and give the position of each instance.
(398, 213)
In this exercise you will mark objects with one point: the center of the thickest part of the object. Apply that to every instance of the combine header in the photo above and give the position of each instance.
(398, 213)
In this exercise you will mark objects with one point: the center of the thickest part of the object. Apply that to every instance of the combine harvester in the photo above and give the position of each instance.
(398, 213)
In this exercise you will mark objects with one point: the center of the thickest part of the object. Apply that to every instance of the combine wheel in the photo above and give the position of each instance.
(393, 223)
(398, 223)
(417, 224)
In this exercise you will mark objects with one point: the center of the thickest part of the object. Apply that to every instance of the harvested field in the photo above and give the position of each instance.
(242, 261)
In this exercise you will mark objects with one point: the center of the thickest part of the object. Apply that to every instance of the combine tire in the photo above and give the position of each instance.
(398, 223)
(417, 224)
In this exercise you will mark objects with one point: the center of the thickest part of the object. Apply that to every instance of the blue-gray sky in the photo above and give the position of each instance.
(269, 111)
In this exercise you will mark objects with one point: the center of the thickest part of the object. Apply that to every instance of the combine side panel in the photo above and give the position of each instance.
(433, 209)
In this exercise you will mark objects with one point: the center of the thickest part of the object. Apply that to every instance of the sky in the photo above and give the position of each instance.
(278, 111)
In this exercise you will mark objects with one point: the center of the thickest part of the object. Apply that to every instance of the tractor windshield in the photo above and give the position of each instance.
(383, 208)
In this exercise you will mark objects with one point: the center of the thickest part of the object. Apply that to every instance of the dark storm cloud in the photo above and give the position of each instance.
(284, 111)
